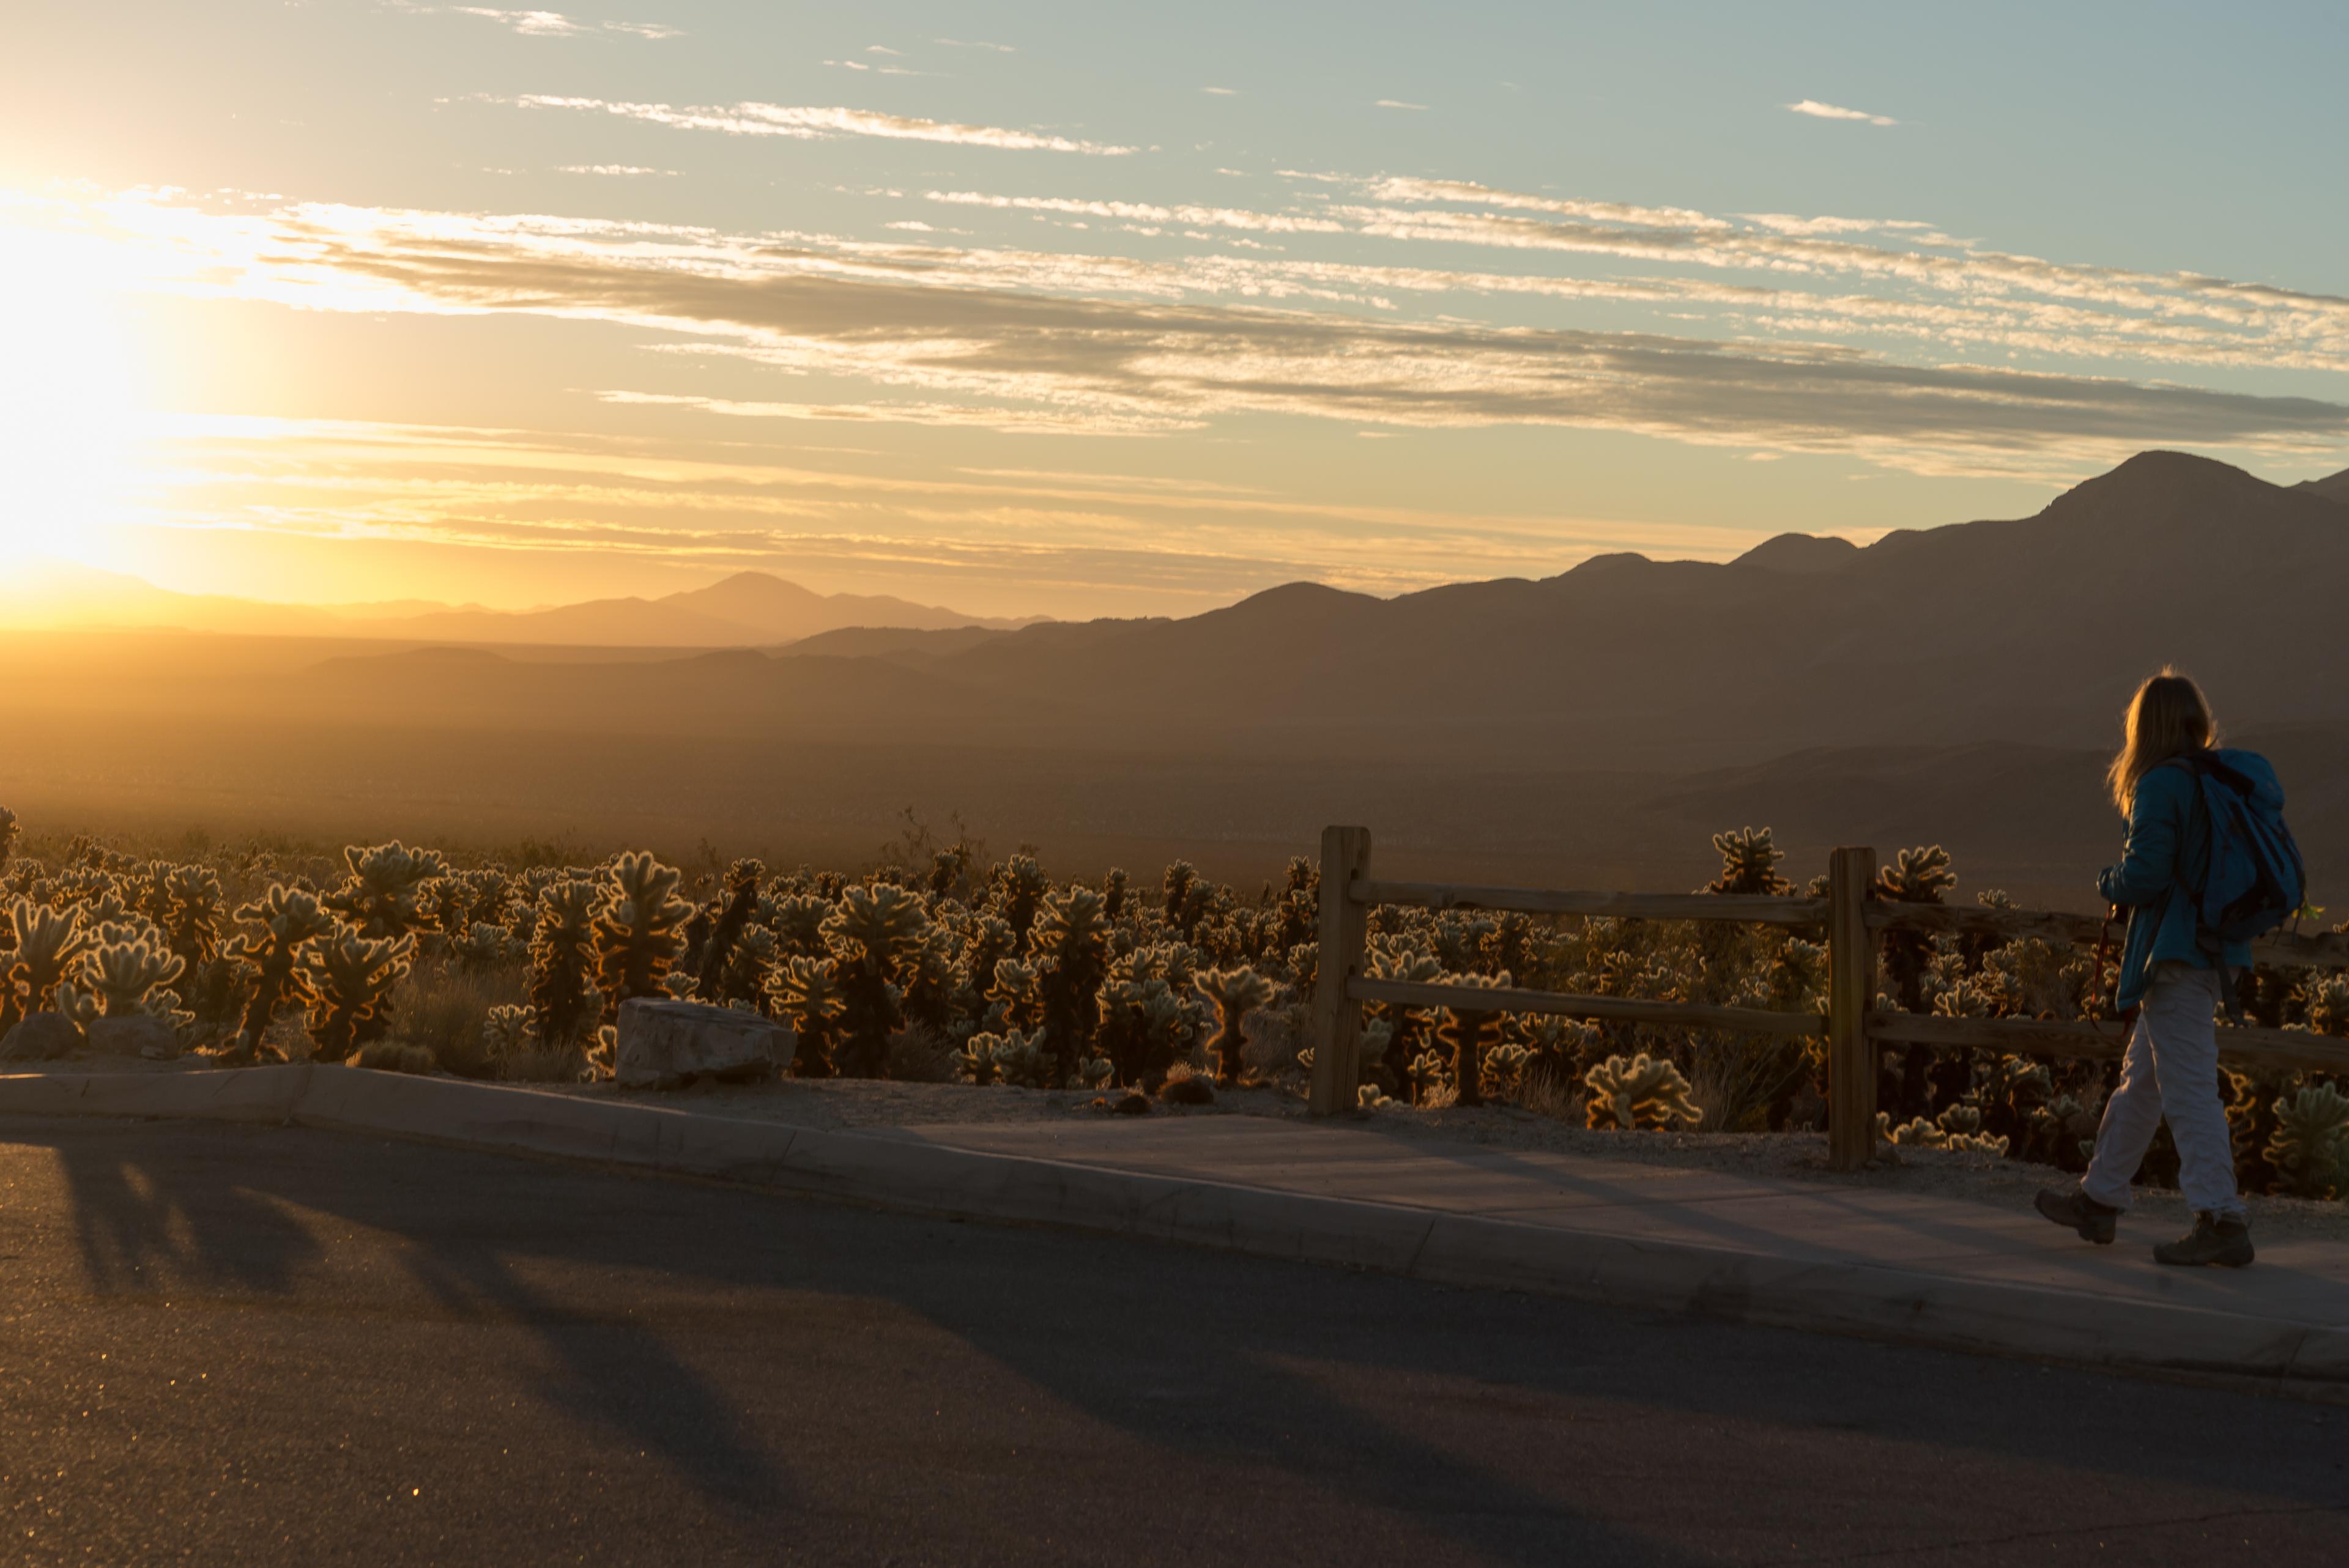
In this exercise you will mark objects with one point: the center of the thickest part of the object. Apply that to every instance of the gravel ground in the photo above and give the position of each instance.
(851, 1103)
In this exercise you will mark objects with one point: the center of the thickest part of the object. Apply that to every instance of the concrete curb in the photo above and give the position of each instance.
(2311, 1359)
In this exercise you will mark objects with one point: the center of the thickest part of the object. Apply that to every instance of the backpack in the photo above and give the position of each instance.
(2254, 879)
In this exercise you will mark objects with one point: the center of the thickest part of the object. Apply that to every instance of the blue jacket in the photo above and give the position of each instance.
(2169, 851)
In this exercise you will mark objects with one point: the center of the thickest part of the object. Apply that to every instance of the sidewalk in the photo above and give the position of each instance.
(1805, 1254)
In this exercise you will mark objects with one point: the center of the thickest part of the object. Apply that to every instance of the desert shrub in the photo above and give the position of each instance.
(918, 1054)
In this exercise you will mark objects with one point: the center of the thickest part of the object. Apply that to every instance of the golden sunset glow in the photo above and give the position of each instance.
(68, 404)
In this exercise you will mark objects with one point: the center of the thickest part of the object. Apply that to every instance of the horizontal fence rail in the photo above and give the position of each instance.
(1852, 919)
(1742, 907)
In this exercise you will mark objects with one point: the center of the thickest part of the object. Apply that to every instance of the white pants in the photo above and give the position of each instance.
(2172, 1070)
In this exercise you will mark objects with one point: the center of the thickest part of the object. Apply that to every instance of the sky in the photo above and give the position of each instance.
(1111, 309)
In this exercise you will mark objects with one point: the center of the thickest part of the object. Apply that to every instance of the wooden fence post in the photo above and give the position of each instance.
(1335, 1029)
(1852, 993)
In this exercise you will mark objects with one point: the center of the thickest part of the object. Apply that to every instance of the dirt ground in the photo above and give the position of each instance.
(846, 1104)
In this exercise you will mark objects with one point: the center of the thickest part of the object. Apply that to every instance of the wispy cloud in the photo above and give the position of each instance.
(621, 169)
(555, 24)
(881, 49)
(795, 120)
(1221, 92)
(1818, 110)
(1022, 334)
(974, 44)
(1147, 212)
(1397, 103)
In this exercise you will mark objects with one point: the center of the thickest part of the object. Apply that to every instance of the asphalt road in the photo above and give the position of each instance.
(259, 1347)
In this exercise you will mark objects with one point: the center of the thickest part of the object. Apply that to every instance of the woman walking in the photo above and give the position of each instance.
(2172, 983)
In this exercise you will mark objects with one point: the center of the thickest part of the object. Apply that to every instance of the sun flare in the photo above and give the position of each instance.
(68, 404)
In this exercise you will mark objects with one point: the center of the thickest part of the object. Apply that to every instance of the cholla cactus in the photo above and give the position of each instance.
(1072, 958)
(798, 922)
(639, 930)
(1468, 1033)
(1236, 994)
(50, 944)
(1429, 1073)
(1749, 864)
(192, 906)
(807, 992)
(1145, 1024)
(1640, 1092)
(78, 1008)
(1018, 1056)
(564, 1001)
(505, 1032)
(1917, 876)
(2310, 1147)
(873, 934)
(719, 966)
(1186, 901)
(1503, 1071)
(128, 964)
(1114, 894)
(349, 976)
(1019, 892)
(383, 895)
(2327, 999)
(285, 920)
(481, 947)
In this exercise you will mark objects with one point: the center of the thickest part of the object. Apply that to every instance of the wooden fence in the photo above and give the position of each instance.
(1854, 918)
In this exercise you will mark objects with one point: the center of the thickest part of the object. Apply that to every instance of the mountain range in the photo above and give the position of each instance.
(1590, 729)
(748, 609)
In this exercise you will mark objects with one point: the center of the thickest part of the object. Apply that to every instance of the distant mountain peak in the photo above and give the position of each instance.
(1801, 552)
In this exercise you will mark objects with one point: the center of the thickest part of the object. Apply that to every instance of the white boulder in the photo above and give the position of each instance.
(663, 1044)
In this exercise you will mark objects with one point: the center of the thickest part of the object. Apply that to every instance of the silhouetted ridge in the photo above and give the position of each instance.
(1801, 552)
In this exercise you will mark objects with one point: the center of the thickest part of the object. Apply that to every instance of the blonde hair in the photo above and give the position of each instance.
(2168, 717)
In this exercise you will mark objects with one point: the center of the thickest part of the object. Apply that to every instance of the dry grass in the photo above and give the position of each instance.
(919, 1054)
(1732, 1078)
(441, 1007)
(1550, 1092)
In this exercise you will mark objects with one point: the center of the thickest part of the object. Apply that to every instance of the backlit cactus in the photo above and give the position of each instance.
(806, 992)
(128, 964)
(282, 921)
(639, 930)
(874, 933)
(564, 1003)
(1235, 994)
(383, 895)
(1640, 1093)
(349, 977)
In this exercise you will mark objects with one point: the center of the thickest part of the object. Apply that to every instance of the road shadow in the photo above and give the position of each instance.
(1181, 1349)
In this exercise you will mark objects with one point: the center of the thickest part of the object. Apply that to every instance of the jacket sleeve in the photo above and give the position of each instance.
(2148, 867)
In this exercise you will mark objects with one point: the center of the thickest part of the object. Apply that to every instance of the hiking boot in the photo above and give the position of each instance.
(2093, 1220)
(2213, 1242)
